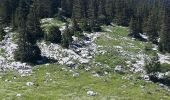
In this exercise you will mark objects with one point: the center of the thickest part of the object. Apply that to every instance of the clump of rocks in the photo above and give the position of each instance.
(81, 51)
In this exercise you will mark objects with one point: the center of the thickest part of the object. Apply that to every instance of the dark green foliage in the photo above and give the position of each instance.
(26, 52)
(121, 11)
(102, 19)
(75, 29)
(77, 9)
(153, 65)
(60, 15)
(33, 25)
(2, 33)
(21, 13)
(165, 68)
(164, 44)
(84, 26)
(54, 35)
(91, 14)
(95, 27)
(134, 27)
(67, 37)
(152, 28)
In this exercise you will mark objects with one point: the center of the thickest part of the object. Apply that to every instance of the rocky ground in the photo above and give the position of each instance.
(97, 52)
(7, 61)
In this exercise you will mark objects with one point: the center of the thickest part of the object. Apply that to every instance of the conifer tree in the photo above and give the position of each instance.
(75, 29)
(77, 10)
(67, 37)
(85, 26)
(6, 11)
(21, 13)
(2, 33)
(120, 17)
(164, 43)
(152, 29)
(33, 24)
(134, 28)
(26, 51)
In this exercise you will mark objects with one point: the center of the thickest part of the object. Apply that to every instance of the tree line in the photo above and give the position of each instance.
(142, 16)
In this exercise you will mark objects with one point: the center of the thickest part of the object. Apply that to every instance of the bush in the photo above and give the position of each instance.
(66, 37)
(152, 65)
(54, 35)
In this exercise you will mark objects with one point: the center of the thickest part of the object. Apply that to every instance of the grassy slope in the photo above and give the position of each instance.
(60, 84)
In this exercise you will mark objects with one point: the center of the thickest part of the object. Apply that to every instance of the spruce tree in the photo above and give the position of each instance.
(164, 43)
(2, 33)
(102, 19)
(120, 16)
(77, 12)
(21, 13)
(67, 37)
(84, 26)
(33, 24)
(134, 28)
(152, 29)
(26, 51)
(6, 11)
(75, 29)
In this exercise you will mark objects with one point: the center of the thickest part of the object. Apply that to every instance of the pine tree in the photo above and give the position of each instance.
(6, 11)
(164, 43)
(33, 24)
(120, 16)
(77, 12)
(21, 13)
(102, 19)
(84, 26)
(110, 10)
(26, 52)
(2, 33)
(67, 7)
(152, 29)
(67, 37)
(75, 29)
(134, 28)
(43, 8)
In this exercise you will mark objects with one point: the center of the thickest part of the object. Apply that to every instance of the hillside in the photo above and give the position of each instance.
(85, 49)
(114, 69)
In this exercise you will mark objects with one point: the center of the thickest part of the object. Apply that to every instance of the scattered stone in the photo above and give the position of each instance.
(18, 95)
(119, 69)
(7, 61)
(91, 93)
(76, 75)
(146, 77)
(96, 75)
(29, 83)
(81, 51)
